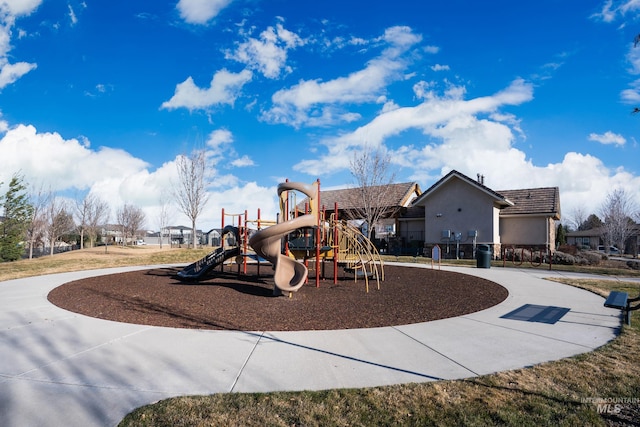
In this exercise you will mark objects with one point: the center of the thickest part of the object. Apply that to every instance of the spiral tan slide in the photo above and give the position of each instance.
(290, 274)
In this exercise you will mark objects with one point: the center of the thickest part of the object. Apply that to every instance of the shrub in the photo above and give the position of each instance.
(634, 265)
(563, 258)
(592, 258)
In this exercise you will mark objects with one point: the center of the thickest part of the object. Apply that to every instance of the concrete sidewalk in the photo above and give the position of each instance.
(64, 369)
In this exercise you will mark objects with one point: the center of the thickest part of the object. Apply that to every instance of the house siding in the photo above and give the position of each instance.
(525, 231)
(411, 230)
(458, 207)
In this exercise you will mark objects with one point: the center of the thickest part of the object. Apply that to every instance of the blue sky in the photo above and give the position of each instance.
(103, 96)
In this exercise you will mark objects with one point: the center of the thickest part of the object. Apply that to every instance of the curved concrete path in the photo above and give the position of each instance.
(64, 369)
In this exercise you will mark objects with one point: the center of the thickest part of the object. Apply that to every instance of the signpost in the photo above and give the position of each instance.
(435, 255)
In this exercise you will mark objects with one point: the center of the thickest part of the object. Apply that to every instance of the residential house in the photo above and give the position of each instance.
(585, 239)
(592, 239)
(181, 235)
(395, 199)
(457, 213)
(460, 213)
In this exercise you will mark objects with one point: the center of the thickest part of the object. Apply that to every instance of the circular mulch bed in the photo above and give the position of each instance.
(229, 301)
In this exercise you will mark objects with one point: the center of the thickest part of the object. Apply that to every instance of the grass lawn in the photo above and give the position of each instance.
(598, 388)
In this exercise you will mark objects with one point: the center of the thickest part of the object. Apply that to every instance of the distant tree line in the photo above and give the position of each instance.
(34, 220)
(31, 220)
(617, 220)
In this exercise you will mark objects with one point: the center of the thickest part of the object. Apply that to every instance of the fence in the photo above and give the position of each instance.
(518, 256)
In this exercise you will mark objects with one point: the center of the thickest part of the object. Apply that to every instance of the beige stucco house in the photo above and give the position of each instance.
(464, 212)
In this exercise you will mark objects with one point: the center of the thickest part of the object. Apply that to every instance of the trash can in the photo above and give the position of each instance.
(483, 256)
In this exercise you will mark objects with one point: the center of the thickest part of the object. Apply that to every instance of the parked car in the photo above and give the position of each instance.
(612, 250)
(140, 242)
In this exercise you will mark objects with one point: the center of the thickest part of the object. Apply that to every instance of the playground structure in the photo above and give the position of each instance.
(201, 268)
(293, 243)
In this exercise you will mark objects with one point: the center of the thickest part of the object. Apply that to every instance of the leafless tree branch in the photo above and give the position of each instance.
(191, 189)
(370, 169)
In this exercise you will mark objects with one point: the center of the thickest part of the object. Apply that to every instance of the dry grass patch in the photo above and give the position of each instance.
(99, 257)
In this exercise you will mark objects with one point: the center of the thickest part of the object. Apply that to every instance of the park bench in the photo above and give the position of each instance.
(621, 301)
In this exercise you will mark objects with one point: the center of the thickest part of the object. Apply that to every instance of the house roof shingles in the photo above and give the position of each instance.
(349, 198)
(533, 201)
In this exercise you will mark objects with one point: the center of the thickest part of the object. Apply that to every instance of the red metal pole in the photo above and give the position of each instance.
(257, 259)
(238, 243)
(317, 213)
(222, 240)
(336, 249)
(246, 238)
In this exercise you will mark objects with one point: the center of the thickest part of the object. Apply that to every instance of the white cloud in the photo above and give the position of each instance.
(19, 7)
(242, 162)
(633, 58)
(474, 136)
(9, 11)
(435, 117)
(220, 151)
(607, 14)
(440, 67)
(268, 53)
(432, 49)
(238, 198)
(61, 163)
(607, 138)
(304, 102)
(424, 90)
(70, 166)
(200, 11)
(611, 13)
(225, 87)
(72, 16)
(10, 73)
(219, 137)
(632, 94)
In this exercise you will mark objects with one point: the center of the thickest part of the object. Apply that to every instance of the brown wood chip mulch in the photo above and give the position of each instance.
(229, 301)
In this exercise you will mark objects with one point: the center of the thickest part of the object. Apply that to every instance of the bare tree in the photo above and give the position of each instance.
(191, 189)
(165, 213)
(131, 220)
(617, 210)
(91, 212)
(98, 216)
(370, 169)
(39, 200)
(577, 218)
(59, 222)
